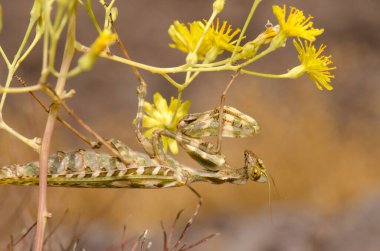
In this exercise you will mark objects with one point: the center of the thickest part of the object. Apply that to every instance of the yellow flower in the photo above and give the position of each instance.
(161, 116)
(217, 39)
(314, 64)
(221, 37)
(105, 39)
(186, 39)
(296, 25)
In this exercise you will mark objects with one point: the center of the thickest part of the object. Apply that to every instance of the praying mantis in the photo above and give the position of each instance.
(86, 168)
(153, 169)
(223, 121)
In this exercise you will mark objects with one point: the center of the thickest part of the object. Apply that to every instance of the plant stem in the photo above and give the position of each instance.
(21, 89)
(247, 21)
(49, 128)
(13, 67)
(264, 75)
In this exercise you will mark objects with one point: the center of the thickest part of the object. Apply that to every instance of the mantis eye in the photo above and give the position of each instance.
(256, 174)
(255, 167)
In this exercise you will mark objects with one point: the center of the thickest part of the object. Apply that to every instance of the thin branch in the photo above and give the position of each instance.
(46, 140)
(201, 241)
(95, 134)
(32, 88)
(191, 220)
(159, 70)
(126, 54)
(56, 226)
(33, 143)
(124, 239)
(166, 243)
(64, 122)
(14, 243)
(136, 243)
(174, 225)
(5, 57)
(247, 21)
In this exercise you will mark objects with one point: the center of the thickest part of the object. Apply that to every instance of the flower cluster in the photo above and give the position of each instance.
(203, 42)
(316, 65)
(291, 23)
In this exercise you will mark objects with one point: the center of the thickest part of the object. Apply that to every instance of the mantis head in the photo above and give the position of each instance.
(255, 167)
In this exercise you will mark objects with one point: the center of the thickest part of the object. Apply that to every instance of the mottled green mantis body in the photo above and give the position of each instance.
(86, 168)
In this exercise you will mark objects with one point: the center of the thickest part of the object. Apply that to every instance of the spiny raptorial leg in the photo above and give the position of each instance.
(218, 145)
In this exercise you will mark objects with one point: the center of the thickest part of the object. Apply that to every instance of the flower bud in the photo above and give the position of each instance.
(212, 54)
(114, 13)
(218, 6)
(249, 50)
(296, 72)
(191, 58)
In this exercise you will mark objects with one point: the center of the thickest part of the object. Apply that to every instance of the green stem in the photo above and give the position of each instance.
(158, 70)
(247, 21)
(30, 142)
(265, 52)
(5, 57)
(265, 75)
(30, 48)
(45, 50)
(207, 27)
(88, 8)
(13, 67)
(218, 63)
(21, 89)
(172, 81)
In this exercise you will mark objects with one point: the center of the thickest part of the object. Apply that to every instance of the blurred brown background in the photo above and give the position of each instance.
(322, 148)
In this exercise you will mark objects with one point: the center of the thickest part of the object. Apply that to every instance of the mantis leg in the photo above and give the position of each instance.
(144, 141)
(197, 149)
(122, 148)
(158, 147)
(218, 146)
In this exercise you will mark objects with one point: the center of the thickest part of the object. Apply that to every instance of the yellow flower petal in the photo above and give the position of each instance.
(106, 38)
(216, 40)
(160, 103)
(149, 122)
(173, 104)
(149, 109)
(148, 133)
(186, 39)
(173, 146)
(161, 116)
(165, 143)
(184, 108)
(296, 24)
(222, 37)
